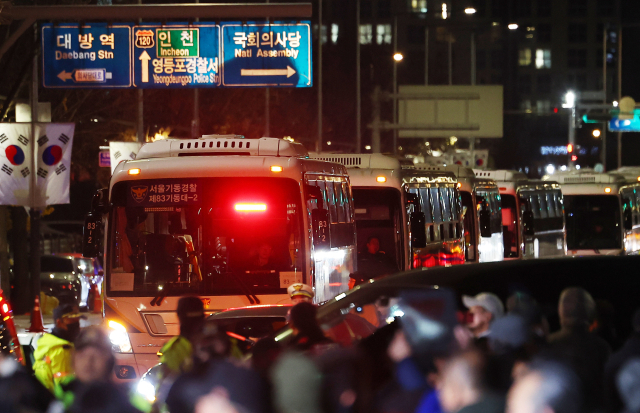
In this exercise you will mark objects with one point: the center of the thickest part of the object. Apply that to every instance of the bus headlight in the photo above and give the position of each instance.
(147, 390)
(119, 338)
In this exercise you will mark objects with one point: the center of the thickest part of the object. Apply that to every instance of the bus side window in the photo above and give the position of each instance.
(331, 199)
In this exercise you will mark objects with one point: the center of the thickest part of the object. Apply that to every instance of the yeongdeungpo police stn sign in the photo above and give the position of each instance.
(152, 55)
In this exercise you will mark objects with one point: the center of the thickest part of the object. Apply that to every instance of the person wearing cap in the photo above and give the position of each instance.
(485, 309)
(19, 390)
(53, 355)
(175, 355)
(300, 293)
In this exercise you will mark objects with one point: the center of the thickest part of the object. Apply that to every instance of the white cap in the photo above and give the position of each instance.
(488, 301)
(299, 289)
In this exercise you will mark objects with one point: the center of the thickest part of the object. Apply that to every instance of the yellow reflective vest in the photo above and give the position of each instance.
(52, 360)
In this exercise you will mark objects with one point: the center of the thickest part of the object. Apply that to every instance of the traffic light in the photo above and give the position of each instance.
(574, 158)
(570, 148)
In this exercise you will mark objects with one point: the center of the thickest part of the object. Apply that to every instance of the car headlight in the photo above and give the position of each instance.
(119, 338)
(147, 390)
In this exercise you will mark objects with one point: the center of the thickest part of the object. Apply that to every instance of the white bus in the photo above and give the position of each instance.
(532, 215)
(234, 221)
(601, 212)
(481, 208)
(379, 199)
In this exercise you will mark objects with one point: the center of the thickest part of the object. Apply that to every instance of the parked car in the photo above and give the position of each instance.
(60, 278)
(90, 273)
(252, 322)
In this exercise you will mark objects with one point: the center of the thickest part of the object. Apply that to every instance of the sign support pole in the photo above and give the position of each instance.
(34, 267)
(319, 140)
(619, 92)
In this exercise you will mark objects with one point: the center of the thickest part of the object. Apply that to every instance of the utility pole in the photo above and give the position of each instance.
(375, 133)
(34, 251)
(140, 135)
(195, 123)
(619, 91)
(358, 80)
(319, 140)
(395, 87)
(604, 89)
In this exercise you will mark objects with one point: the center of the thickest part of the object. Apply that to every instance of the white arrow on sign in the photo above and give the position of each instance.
(288, 72)
(144, 57)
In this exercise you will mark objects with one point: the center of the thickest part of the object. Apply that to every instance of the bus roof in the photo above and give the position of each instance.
(217, 145)
(458, 171)
(631, 174)
(359, 160)
(584, 176)
(383, 178)
(501, 175)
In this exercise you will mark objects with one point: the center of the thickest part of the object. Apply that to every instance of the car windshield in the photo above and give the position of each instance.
(213, 236)
(56, 264)
(593, 222)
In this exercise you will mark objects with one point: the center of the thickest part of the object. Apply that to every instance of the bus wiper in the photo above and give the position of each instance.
(157, 300)
(253, 299)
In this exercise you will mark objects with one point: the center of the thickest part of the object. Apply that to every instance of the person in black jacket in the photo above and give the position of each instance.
(307, 332)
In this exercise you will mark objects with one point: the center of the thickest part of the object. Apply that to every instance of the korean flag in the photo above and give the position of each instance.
(15, 149)
(123, 151)
(55, 141)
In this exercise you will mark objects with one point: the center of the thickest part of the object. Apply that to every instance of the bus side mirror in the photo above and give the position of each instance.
(92, 234)
(628, 220)
(100, 201)
(418, 230)
(320, 221)
(527, 222)
(485, 224)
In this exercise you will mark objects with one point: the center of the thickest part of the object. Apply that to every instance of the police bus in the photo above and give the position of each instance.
(601, 212)
(379, 201)
(481, 212)
(234, 221)
(532, 215)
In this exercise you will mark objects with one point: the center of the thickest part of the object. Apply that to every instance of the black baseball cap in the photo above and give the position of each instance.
(66, 311)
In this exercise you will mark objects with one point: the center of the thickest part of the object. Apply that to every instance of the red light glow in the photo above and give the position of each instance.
(250, 207)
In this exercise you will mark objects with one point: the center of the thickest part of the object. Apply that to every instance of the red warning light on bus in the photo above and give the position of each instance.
(244, 207)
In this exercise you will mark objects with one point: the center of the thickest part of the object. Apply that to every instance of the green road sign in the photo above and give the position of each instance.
(178, 42)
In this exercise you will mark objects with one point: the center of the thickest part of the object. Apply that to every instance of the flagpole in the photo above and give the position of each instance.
(34, 252)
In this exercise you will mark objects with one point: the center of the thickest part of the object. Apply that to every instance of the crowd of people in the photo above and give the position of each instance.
(492, 358)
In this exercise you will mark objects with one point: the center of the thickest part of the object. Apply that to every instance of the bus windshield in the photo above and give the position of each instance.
(206, 236)
(593, 222)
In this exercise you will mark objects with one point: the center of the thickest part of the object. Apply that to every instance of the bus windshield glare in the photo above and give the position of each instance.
(205, 236)
(593, 222)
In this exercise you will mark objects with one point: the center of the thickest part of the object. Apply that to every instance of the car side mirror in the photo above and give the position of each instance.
(320, 221)
(418, 230)
(628, 219)
(485, 224)
(92, 234)
(527, 223)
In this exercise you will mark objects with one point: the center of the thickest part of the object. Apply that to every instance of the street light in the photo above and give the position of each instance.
(596, 133)
(398, 57)
(470, 10)
(569, 100)
(570, 103)
(513, 26)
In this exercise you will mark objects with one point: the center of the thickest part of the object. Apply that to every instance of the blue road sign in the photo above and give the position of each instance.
(266, 54)
(176, 55)
(89, 56)
(625, 125)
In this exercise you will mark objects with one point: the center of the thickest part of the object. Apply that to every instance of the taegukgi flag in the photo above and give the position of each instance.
(15, 150)
(122, 151)
(54, 141)
(52, 163)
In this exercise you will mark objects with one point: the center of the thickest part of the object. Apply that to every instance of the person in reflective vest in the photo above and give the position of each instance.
(175, 355)
(54, 352)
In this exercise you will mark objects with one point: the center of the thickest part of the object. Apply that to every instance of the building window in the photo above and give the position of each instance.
(481, 59)
(605, 8)
(384, 8)
(577, 8)
(497, 61)
(543, 106)
(334, 33)
(544, 84)
(415, 34)
(543, 59)
(578, 82)
(577, 58)
(577, 33)
(543, 33)
(419, 6)
(525, 105)
(323, 38)
(524, 57)
(383, 34)
(544, 8)
(524, 85)
(366, 33)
